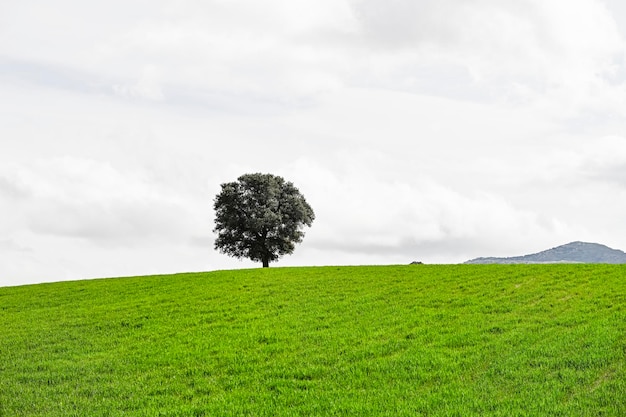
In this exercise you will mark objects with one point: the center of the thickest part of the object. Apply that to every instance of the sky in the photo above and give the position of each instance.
(418, 130)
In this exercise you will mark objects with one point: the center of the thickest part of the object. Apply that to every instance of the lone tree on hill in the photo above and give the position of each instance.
(260, 217)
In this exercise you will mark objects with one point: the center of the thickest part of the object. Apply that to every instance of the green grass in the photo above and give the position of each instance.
(454, 340)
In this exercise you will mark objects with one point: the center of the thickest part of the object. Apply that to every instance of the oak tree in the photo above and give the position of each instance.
(260, 217)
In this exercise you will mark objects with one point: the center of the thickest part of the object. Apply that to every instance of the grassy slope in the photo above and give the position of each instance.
(457, 340)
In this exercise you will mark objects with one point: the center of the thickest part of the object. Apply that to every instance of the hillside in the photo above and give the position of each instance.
(574, 252)
(428, 340)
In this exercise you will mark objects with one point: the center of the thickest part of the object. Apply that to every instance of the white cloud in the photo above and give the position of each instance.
(361, 213)
(147, 86)
(75, 218)
(512, 38)
(561, 60)
(559, 57)
(91, 200)
(417, 129)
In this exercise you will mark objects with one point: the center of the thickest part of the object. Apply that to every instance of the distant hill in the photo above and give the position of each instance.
(574, 252)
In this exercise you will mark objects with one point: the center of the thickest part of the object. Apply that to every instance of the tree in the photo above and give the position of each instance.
(260, 217)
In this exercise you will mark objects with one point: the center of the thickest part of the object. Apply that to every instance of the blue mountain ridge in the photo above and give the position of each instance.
(574, 252)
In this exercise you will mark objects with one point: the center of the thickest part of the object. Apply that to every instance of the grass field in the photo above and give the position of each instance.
(448, 340)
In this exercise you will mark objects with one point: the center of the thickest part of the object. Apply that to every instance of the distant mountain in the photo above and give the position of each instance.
(574, 252)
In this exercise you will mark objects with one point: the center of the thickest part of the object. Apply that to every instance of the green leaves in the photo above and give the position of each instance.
(260, 217)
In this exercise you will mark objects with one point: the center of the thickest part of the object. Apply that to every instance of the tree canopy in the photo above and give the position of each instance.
(260, 217)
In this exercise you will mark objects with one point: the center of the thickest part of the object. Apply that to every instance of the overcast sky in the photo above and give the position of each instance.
(430, 130)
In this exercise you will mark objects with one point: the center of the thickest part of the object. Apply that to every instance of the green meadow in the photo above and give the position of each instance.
(419, 340)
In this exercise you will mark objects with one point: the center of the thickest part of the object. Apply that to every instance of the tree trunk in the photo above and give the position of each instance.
(265, 256)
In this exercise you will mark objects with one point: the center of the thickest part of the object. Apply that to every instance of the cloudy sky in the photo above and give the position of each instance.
(430, 130)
